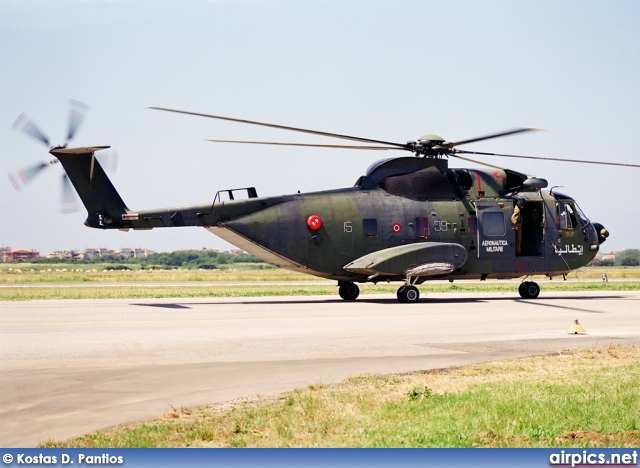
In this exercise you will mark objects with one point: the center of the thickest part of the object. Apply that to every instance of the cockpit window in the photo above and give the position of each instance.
(581, 216)
(567, 216)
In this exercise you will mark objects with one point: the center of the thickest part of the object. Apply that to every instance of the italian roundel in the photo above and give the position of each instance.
(396, 227)
(314, 222)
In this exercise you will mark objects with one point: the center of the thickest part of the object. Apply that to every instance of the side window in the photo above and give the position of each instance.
(370, 227)
(473, 226)
(422, 228)
(493, 224)
(566, 216)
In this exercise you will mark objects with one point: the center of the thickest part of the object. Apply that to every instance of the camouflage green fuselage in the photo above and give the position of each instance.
(386, 210)
(463, 217)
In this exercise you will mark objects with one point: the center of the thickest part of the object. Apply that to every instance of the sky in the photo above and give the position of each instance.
(389, 70)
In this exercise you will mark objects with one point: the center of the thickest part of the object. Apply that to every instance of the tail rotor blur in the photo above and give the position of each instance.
(27, 126)
(22, 178)
(77, 112)
(24, 124)
(69, 197)
(108, 160)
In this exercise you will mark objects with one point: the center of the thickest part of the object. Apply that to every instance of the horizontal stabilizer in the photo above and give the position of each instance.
(421, 259)
(81, 150)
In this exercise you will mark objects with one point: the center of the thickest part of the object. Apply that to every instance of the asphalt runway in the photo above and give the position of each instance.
(71, 367)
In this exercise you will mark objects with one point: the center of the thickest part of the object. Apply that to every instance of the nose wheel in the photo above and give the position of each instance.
(408, 294)
(529, 290)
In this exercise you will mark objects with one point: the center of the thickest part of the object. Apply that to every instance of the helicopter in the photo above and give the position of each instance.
(407, 219)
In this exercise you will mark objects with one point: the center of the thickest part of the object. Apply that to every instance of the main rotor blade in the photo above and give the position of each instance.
(581, 161)
(476, 161)
(488, 137)
(283, 127)
(20, 179)
(77, 111)
(311, 145)
(25, 125)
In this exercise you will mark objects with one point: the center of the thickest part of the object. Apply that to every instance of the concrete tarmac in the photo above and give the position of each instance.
(71, 367)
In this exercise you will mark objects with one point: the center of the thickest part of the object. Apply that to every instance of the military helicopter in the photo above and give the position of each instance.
(407, 219)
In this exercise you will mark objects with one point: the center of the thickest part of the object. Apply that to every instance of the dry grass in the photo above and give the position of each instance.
(615, 272)
(61, 274)
(583, 398)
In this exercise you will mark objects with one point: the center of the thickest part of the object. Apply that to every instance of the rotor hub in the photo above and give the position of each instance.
(429, 146)
(435, 139)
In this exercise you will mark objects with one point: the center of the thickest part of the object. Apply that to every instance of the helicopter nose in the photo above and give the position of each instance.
(602, 232)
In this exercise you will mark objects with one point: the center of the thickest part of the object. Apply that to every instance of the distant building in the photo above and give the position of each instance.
(15, 255)
(90, 254)
(606, 256)
(63, 254)
(131, 252)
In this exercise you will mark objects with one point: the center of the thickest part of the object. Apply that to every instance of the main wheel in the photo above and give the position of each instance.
(408, 294)
(522, 289)
(349, 292)
(399, 293)
(529, 290)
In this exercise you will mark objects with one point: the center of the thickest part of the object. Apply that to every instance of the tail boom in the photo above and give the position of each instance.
(107, 210)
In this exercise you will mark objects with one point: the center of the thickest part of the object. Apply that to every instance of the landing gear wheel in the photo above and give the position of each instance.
(408, 294)
(349, 292)
(399, 293)
(522, 288)
(529, 290)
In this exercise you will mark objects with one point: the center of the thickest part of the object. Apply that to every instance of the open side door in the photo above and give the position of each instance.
(496, 236)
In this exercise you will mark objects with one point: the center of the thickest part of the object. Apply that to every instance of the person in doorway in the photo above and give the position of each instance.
(516, 221)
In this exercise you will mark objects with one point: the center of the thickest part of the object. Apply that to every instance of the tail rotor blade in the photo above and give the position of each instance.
(20, 179)
(77, 111)
(108, 160)
(69, 198)
(25, 125)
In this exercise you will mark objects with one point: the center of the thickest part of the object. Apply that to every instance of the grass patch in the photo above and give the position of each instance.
(115, 273)
(114, 283)
(158, 292)
(585, 398)
(189, 290)
(18, 273)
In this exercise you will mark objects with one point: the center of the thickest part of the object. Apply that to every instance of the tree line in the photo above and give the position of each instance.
(627, 257)
(206, 259)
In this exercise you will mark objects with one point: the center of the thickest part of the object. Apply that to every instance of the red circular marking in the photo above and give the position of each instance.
(314, 222)
(396, 227)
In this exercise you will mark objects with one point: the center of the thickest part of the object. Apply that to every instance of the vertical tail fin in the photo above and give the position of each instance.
(101, 199)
